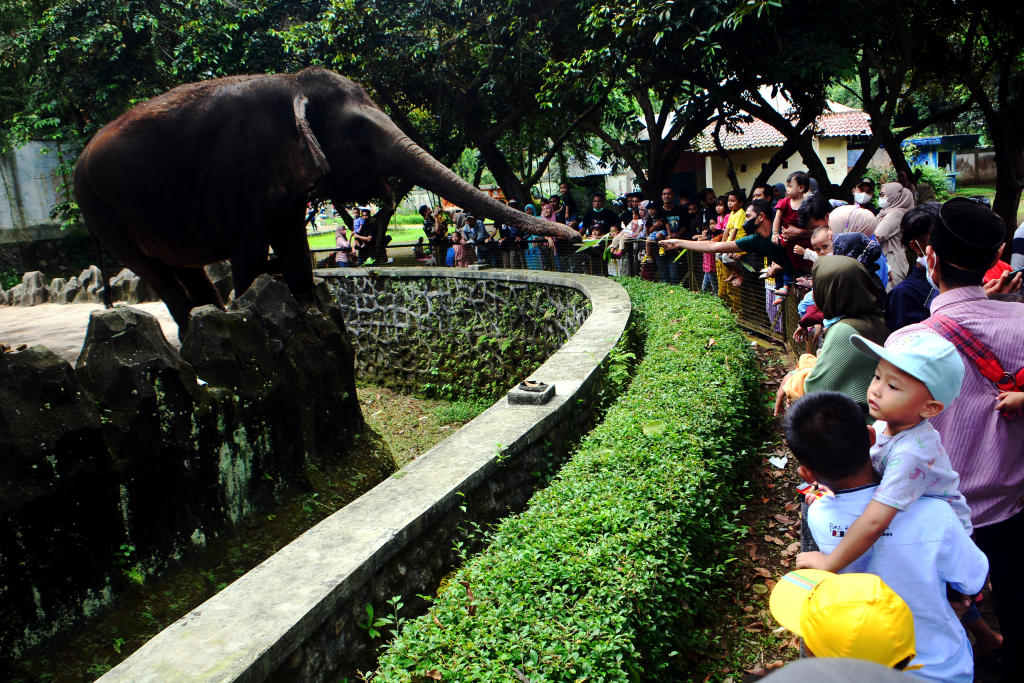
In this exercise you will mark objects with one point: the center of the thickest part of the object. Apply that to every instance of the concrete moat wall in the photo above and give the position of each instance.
(297, 616)
(472, 336)
(110, 470)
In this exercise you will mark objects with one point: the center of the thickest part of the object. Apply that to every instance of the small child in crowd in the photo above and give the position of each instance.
(923, 551)
(786, 217)
(734, 230)
(710, 282)
(914, 380)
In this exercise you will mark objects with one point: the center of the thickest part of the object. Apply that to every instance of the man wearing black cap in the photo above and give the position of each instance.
(983, 436)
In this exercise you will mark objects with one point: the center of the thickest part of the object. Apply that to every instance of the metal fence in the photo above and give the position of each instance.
(751, 302)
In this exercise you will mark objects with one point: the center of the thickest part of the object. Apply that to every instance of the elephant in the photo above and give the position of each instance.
(223, 168)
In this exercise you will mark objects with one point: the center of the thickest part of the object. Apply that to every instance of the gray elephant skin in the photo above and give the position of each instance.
(222, 169)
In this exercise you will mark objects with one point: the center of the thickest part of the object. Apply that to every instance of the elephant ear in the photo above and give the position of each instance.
(313, 145)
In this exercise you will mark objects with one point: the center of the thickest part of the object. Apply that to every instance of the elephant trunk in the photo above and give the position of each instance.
(407, 159)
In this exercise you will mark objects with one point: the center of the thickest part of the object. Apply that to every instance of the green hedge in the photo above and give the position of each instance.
(614, 571)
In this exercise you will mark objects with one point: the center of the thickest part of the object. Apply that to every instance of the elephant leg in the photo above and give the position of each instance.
(200, 290)
(248, 256)
(291, 247)
(164, 281)
(107, 226)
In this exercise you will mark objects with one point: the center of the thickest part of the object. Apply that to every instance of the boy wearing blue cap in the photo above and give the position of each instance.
(916, 378)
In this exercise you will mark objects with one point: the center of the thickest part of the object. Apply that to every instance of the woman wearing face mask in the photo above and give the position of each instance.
(894, 203)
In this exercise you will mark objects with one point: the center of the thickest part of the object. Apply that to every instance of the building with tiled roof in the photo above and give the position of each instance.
(753, 143)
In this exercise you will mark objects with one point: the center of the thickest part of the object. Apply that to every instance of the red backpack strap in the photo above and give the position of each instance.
(969, 345)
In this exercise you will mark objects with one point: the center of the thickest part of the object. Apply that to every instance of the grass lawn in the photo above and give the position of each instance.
(988, 191)
(400, 234)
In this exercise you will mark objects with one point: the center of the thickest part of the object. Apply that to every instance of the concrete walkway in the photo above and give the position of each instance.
(61, 327)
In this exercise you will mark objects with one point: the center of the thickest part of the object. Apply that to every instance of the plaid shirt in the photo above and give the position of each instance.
(985, 448)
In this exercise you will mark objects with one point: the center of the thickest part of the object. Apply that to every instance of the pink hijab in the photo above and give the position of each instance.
(852, 219)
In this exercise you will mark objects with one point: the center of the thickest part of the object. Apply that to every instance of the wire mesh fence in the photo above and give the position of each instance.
(751, 301)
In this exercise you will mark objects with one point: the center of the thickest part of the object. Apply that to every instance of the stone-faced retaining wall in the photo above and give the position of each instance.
(455, 337)
(110, 469)
(297, 615)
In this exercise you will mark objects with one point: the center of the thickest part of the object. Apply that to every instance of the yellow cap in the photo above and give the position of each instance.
(855, 616)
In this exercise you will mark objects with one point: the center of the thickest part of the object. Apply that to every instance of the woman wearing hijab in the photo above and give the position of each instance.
(854, 219)
(849, 298)
(895, 200)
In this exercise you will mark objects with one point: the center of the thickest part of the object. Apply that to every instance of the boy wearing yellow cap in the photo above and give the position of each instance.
(924, 548)
(853, 616)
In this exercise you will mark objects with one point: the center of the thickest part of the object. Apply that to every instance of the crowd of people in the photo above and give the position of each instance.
(906, 414)
(909, 422)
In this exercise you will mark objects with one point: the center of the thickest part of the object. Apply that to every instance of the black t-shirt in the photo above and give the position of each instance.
(764, 246)
(602, 220)
(678, 219)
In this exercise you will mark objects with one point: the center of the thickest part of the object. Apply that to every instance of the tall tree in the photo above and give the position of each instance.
(661, 55)
(988, 57)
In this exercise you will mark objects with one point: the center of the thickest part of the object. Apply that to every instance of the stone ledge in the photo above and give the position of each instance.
(251, 629)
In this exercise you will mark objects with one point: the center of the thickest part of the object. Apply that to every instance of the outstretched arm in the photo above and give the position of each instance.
(861, 535)
(707, 247)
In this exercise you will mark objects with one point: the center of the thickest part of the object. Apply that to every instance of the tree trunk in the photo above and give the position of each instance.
(1008, 142)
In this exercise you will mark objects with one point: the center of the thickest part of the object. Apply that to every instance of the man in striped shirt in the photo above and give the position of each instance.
(985, 446)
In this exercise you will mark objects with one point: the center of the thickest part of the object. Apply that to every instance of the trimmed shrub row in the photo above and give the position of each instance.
(614, 571)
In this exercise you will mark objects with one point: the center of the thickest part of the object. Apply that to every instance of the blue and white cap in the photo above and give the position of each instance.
(924, 356)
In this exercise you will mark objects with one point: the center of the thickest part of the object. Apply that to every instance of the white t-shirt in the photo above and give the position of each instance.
(913, 463)
(923, 549)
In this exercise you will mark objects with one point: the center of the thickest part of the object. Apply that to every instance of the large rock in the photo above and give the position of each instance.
(283, 357)
(49, 428)
(120, 285)
(91, 287)
(132, 448)
(220, 275)
(125, 356)
(31, 291)
(69, 291)
(56, 285)
(139, 291)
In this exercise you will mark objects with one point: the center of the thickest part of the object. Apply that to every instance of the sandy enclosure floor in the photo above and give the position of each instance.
(61, 327)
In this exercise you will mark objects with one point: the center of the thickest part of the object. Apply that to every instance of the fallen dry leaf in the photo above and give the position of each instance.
(748, 609)
(793, 547)
(763, 572)
(773, 539)
(783, 519)
(757, 671)
(790, 507)
(753, 629)
(777, 664)
(752, 551)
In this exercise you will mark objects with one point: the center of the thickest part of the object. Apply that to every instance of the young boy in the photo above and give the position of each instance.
(924, 548)
(915, 379)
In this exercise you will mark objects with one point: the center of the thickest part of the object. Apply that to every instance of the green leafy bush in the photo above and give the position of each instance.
(615, 570)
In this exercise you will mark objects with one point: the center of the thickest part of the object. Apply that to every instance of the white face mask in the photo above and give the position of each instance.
(883, 202)
(923, 260)
(861, 197)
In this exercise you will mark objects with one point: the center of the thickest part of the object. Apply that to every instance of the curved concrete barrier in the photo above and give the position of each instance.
(295, 616)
